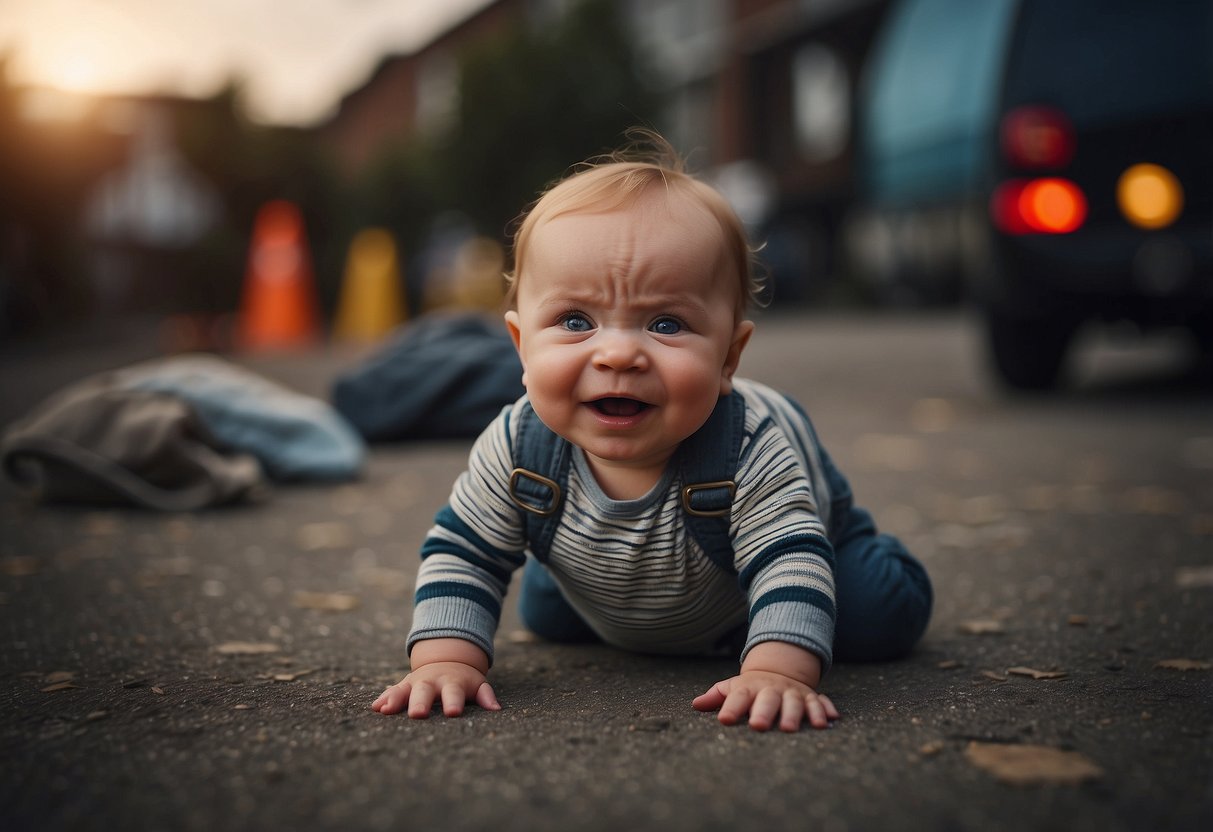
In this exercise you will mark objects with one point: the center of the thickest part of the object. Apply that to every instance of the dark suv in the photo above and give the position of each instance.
(1074, 182)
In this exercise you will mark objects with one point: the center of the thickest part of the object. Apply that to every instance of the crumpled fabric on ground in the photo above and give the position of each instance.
(442, 377)
(294, 436)
(176, 434)
(96, 443)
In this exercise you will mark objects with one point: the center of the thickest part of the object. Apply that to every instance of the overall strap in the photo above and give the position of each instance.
(538, 482)
(709, 470)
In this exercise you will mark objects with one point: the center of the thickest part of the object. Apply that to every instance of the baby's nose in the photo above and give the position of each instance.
(620, 350)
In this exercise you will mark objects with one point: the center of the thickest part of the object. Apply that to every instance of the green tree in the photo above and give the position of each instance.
(532, 103)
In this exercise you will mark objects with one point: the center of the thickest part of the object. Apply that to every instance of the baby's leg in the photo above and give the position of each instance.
(882, 593)
(545, 611)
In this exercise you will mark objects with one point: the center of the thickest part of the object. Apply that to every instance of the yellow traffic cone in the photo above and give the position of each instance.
(371, 302)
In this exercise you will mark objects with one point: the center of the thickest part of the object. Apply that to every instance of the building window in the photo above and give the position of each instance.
(680, 41)
(437, 92)
(543, 15)
(821, 103)
(687, 122)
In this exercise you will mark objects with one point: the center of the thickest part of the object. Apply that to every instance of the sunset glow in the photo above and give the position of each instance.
(79, 73)
(295, 60)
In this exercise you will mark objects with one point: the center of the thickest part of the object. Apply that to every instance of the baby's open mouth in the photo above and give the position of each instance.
(618, 406)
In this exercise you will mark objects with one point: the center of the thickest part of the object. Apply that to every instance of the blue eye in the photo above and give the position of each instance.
(666, 326)
(576, 322)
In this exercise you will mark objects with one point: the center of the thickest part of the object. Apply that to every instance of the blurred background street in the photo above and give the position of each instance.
(988, 234)
(903, 153)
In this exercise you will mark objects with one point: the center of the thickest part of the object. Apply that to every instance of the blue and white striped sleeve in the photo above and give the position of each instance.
(476, 543)
(783, 557)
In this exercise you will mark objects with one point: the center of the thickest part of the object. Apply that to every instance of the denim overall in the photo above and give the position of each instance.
(883, 595)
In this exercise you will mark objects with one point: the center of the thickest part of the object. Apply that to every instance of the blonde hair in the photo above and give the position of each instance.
(615, 180)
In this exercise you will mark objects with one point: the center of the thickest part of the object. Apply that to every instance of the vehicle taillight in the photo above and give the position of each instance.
(1149, 196)
(1038, 206)
(1037, 137)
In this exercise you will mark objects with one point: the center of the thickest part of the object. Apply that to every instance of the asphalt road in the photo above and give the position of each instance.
(1070, 539)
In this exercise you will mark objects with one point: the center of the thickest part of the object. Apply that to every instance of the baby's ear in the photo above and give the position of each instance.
(514, 325)
(741, 337)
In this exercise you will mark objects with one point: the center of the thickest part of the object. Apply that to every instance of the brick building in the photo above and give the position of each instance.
(760, 93)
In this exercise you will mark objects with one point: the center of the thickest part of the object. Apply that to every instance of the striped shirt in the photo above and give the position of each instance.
(631, 568)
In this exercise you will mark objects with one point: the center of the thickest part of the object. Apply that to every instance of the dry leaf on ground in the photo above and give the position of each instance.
(245, 648)
(327, 601)
(178, 567)
(59, 686)
(394, 582)
(290, 677)
(981, 510)
(317, 536)
(56, 676)
(99, 524)
(1154, 500)
(932, 415)
(1036, 674)
(991, 675)
(890, 452)
(1194, 577)
(981, 627)
(20, 566)
(1028, 765)
(1184, 664)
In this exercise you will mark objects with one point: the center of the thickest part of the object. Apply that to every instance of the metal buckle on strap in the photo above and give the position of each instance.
(532, 487)
(689, 491)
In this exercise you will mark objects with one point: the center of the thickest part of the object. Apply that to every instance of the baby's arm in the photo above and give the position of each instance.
(451, 670)
(776, 679)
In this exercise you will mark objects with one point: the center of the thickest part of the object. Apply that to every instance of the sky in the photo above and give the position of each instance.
(299, 56)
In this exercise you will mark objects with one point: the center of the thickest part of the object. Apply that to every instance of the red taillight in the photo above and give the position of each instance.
(1038, 206)
(1037, 137)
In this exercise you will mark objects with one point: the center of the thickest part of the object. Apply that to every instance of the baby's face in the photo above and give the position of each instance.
(627, 327)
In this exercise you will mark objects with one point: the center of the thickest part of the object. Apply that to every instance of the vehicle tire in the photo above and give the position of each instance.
(1202, 336)
(1028, 352)
(1202, 333)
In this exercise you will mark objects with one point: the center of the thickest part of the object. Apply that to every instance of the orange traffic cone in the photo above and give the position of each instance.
(372, 303)
(279, 309)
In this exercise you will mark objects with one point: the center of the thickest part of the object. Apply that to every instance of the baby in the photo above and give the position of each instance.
(629, 295)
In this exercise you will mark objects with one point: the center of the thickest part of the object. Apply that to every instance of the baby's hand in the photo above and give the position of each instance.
(765, 695)
(453, 683)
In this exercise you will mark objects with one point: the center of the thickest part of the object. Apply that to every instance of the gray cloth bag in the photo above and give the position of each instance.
(100, 444)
